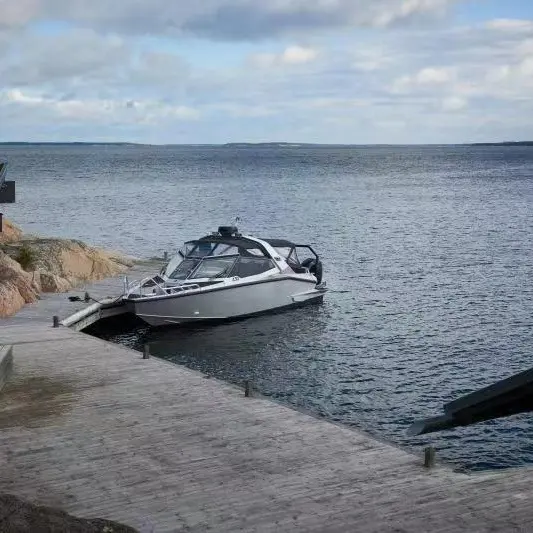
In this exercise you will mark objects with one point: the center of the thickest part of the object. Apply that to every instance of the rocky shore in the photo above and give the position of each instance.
(20, 516)
(32, 265)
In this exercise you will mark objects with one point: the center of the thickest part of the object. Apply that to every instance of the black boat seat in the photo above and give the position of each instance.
(299, 269)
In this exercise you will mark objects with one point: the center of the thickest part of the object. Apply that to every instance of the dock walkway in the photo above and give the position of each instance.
(58, 304)
(97, 430)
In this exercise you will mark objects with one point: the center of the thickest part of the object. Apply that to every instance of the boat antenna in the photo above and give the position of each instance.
(237, 219)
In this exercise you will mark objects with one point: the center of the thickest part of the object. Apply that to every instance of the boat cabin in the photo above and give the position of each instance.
(227, 254)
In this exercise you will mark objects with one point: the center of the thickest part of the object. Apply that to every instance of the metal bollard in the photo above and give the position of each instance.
(86, 298)
(55, 321)
(165, 256)
(429, 457)
(146, 352)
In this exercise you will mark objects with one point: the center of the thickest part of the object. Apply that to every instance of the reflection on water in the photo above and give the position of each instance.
(282, 354)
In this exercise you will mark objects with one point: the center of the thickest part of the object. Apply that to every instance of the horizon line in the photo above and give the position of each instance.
(255, 143)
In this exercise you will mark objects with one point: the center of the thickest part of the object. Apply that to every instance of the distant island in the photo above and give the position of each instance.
(504, 143)
(266, 144)
(254, 144)
(73, 143)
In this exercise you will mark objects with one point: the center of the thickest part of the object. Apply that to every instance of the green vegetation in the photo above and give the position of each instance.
(25, 257)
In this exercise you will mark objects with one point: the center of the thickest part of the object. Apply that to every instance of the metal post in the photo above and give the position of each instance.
(429, 457)
(55, 321)
(146, 352)
(165, 256)
(87, 298)
(247, 389)
(1, 225)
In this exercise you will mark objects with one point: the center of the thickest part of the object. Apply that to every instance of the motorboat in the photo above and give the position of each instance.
(227, 275)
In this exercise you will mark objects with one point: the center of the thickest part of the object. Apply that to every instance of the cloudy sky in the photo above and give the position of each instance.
(215, 71)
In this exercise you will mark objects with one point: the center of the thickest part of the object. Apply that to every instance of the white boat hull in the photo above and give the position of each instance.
(234, 301)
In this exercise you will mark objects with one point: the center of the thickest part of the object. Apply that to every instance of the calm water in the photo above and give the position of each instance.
(427, 252)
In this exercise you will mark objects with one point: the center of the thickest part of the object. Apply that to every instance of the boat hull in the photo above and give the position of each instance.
(230, 302)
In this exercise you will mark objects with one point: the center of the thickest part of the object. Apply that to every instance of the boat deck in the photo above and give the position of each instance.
(97, 430)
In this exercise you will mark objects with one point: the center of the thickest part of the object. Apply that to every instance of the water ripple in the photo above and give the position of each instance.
(426, 249)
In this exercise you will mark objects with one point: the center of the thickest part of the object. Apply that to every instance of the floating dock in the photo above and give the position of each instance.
(99, 431)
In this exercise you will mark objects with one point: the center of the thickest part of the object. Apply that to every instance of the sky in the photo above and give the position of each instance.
(315, 71)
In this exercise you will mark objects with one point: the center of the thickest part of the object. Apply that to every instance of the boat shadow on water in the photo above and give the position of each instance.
(283, 326)
(268, 349)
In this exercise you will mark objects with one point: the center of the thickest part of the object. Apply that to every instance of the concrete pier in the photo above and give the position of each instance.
(96, 429)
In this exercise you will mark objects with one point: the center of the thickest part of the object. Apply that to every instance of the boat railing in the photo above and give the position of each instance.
(181, 288)
(138, 286)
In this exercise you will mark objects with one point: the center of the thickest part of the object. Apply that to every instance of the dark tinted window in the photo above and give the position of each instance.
(251, 266)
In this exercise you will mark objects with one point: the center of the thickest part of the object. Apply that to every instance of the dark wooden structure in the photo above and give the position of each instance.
(507, 397)
(7, 188)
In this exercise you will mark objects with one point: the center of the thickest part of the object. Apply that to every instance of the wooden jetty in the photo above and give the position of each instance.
(96, 429)
(101, 303)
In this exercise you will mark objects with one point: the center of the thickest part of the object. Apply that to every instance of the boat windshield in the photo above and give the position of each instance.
(288, 253)
(208, 249)
(221, 267)
(214, 267)
(183, 269)
(215, 259)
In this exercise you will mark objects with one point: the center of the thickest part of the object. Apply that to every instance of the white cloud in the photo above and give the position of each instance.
(295, 55)
(497, 74)
(454, 103)
(434, 76)
(391, 124)
(45, 59)
(428, 77)
(18, 97)
(525, 47)
(458, 85)
(405, 9)
(335, 103)
(526, 67)
(511, 25)
(81, 63)
(513, 79)
(97, 110)
(244, 111)
(371, 59)
(292, 55)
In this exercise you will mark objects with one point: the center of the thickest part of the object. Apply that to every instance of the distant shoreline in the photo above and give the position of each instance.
(256, 145)
(75, 143)
(505, 143)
